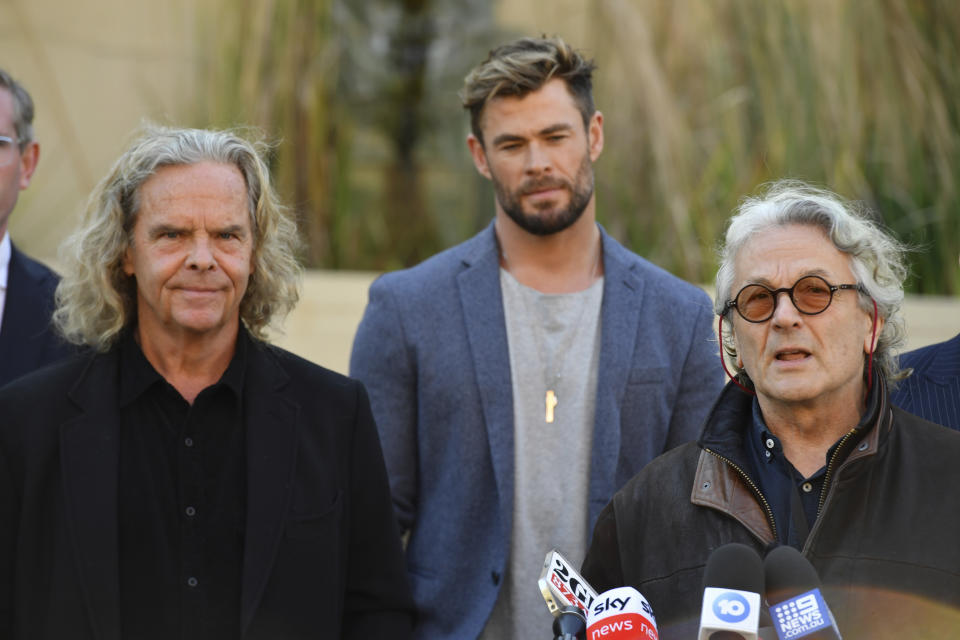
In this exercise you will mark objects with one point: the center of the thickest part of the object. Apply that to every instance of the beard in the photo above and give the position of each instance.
(546, 219)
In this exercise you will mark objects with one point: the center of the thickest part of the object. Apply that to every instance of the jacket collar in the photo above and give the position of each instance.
(722, 479)
(941, 363)
(728, 422)
(273, 422)
(482, 304)
(89, 460)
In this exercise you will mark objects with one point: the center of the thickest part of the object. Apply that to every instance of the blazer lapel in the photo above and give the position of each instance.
(619, 318)
(482, 304)
(89, 457)
(271, 423)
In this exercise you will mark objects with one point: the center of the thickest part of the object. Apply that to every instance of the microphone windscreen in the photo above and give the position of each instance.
(797, 608)
(787, 574)
(733, 582)
(734, 566)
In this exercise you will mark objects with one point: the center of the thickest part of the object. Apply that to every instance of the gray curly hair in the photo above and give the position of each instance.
(876, 259)
(96, 300)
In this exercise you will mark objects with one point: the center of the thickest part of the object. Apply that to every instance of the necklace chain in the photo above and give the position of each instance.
(552, 374)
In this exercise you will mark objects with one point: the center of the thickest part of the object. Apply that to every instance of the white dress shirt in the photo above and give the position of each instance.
(5, 251)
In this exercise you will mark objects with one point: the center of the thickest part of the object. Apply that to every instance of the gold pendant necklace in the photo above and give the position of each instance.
(551, 402)
(550, 399)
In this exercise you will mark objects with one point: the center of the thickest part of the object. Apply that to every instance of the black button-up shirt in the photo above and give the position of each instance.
(182, 502)
(779, 481)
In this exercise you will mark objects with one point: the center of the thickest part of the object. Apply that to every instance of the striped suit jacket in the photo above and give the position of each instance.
(933, 391)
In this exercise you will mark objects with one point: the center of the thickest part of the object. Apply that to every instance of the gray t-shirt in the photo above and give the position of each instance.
(554, 342)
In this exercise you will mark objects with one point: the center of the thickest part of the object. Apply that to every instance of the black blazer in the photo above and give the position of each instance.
(27, 340)
(322, 557)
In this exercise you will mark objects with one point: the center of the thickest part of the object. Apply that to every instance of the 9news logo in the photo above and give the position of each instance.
(731, 607)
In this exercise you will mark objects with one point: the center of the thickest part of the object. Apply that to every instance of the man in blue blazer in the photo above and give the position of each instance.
(27, 341)
(933, 389)
(520, 378)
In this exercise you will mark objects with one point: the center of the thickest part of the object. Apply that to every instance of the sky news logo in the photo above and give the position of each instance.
(800, 616)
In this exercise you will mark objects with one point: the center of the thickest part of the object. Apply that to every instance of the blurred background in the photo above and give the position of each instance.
(703, 102)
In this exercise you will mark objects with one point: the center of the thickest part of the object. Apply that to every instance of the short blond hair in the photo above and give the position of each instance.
(525, 65)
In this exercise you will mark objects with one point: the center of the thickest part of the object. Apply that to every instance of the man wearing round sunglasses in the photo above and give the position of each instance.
(803, 448)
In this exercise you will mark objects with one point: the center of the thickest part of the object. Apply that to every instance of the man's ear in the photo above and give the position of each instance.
(28, 163)
(479, 155)
(867, 345)
(595, 135)
(126, 263)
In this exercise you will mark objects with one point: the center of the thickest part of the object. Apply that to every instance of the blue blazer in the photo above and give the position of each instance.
(27, 340)
(933, 391)
(432, 350)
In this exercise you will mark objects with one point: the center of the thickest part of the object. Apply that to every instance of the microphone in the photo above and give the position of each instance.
(562, 586)
(793, 595)
(569, 624)
(621, 614)
(733, 582)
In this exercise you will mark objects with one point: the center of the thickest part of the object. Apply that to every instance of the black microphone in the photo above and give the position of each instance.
(793, 595)
(732, 584)
(570, 624)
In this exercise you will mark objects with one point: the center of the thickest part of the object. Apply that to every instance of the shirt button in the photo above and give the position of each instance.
(192, 582)
(188, 442)
(767, 453)
(807, 487)
(770, 443)
(191, 511)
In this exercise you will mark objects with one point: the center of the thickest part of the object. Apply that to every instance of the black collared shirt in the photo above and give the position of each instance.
(780, 482)
(182, 502)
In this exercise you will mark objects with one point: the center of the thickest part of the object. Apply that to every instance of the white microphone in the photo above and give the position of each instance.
(562, 586)
(733, 582)
(621, 614)
(793, 593)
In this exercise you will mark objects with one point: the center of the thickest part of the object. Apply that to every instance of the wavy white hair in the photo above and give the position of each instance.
(876, 258)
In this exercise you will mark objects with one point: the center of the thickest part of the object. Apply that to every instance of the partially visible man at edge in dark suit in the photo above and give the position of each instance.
(186, 479)
(27, 341)
(933, 389)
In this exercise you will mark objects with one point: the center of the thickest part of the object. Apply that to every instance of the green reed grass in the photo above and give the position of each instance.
(710, 99)
(704, 101)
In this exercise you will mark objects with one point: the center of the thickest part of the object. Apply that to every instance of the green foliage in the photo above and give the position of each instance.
(359, 97)
(707, 100)
(703, 102)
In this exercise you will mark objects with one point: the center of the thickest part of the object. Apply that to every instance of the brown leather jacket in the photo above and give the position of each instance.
(886, 542)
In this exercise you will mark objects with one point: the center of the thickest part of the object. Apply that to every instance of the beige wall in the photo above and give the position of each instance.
(95, 69)
(322, 326)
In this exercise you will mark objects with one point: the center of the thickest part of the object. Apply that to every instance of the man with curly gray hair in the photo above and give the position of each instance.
(803, 448)
(181, 478)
